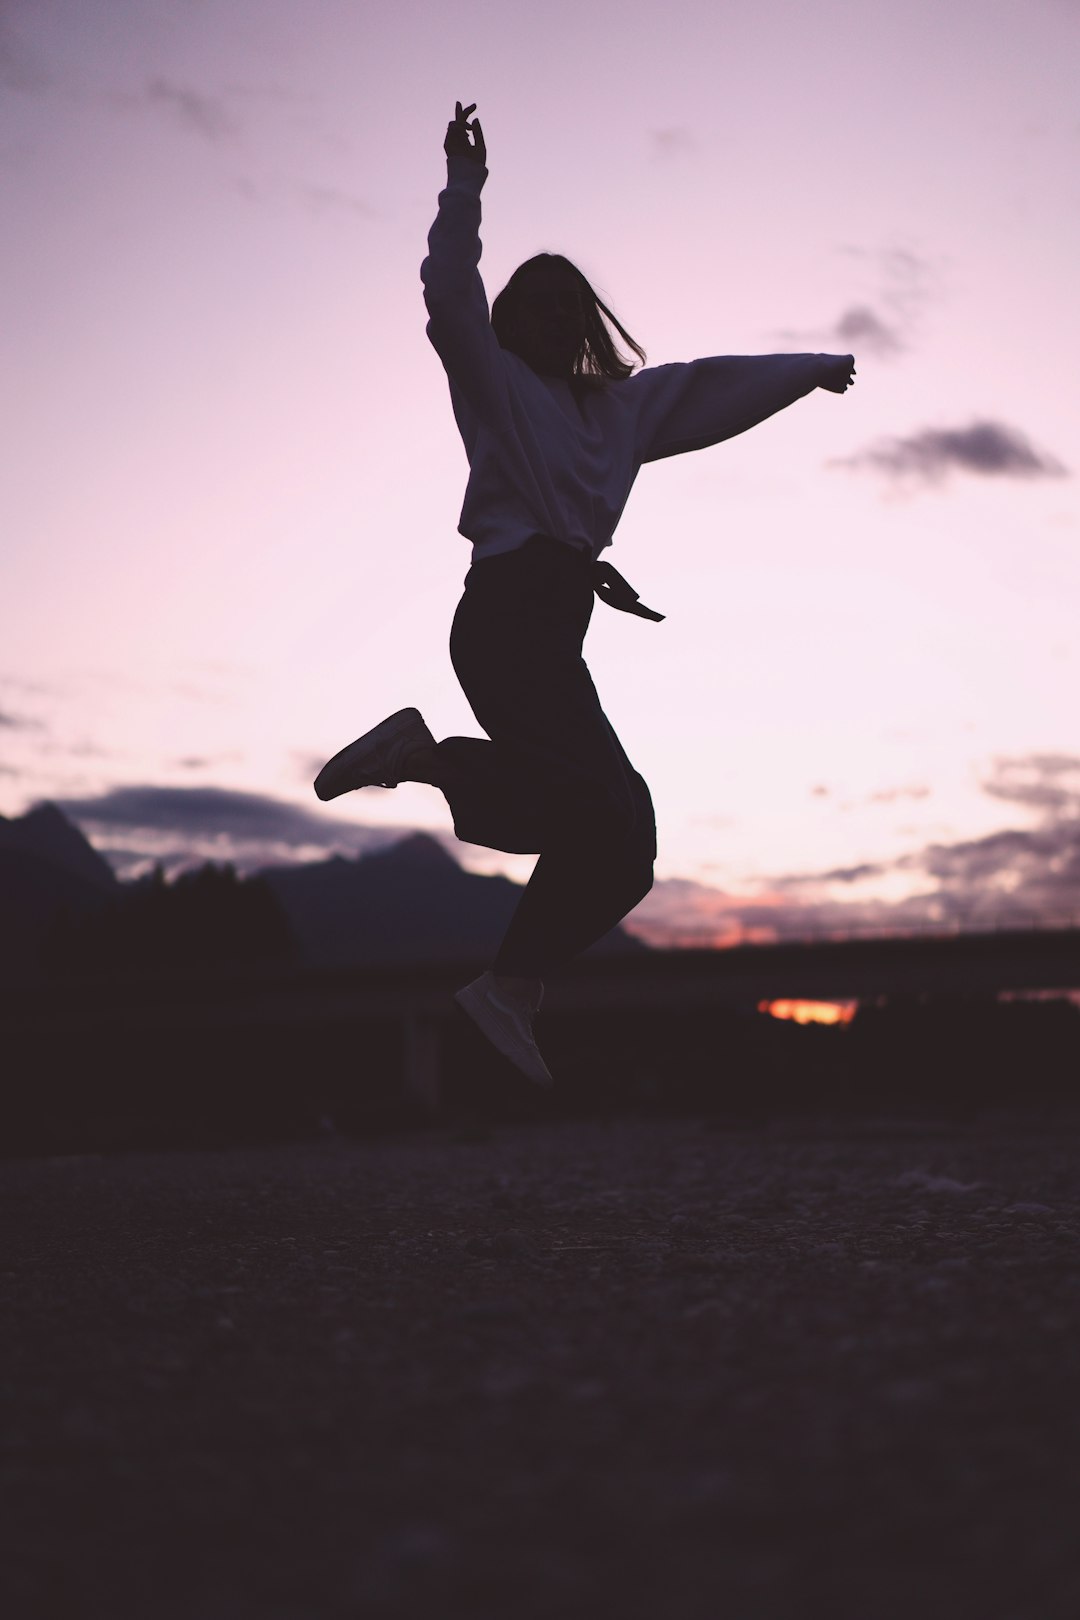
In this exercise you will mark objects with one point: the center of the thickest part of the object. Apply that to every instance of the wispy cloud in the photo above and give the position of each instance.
(984, 449)
(861, 328)
(20, 722)
(199, 762)
(207, 116)
(890, 795)
(884, 318)
(202, 810)
(1015, 877)
(897, 794)
(1046, 782)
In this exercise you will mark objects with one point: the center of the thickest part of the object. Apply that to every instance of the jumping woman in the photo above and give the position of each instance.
(556, 427)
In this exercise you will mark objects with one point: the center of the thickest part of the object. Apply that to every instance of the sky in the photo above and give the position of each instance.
(232, 478)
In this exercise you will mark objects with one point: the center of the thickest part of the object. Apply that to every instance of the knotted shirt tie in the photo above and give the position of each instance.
(617, 592)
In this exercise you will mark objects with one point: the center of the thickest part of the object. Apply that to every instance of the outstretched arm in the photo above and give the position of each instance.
(702, 402)
(459, 323)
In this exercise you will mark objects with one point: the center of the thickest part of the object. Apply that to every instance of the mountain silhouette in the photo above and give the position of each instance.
(409, 903)
(62, 905)
(46, 834)
(49, 873)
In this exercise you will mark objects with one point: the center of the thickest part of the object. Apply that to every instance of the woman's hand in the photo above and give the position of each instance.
(457, 142)
(839, 373)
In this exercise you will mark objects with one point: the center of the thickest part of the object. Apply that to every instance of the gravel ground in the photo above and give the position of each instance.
(637, 1368)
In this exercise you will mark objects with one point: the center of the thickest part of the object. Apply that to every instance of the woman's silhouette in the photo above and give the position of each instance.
(556, 428)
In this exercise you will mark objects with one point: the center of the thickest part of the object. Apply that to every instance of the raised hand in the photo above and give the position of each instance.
(839, 373)
(457, 142)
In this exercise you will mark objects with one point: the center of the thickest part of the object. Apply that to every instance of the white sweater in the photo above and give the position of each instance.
(542, 461)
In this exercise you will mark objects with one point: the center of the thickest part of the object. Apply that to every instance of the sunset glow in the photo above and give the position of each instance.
(811, 1012)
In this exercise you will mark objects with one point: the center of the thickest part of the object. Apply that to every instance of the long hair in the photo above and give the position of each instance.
(597, 360)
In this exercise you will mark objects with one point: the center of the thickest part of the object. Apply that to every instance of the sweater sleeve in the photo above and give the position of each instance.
(690, 405)
(459, 323)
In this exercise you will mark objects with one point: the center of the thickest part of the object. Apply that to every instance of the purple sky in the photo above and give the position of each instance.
(232, 479)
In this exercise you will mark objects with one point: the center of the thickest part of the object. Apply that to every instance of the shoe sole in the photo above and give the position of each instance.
(344, 773)
(479, 1010)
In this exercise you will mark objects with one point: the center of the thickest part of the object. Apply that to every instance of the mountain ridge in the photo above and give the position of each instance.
(411, 903)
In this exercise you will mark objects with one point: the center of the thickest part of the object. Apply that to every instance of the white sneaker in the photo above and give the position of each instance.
(507, 1023)
(377, 758)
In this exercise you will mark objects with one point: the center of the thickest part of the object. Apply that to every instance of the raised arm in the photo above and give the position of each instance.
(702, 402)
(459, 323)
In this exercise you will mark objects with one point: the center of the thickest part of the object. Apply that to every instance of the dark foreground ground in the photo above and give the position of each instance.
(642, 1368)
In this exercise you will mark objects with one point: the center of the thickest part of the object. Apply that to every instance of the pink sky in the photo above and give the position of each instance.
(232, 479)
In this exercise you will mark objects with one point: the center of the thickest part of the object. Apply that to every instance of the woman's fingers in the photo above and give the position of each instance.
(458, 131)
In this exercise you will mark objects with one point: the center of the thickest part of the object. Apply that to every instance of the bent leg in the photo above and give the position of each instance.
(578, 892)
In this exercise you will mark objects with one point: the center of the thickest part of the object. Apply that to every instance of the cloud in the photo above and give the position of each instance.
(203, 115)
(895, 795)
(985, 449)
(861, 328)
(858, 330)
(1015, 874)
(183, 826)
(1040, 781)
(197, 762)
(1013, 878)
(881, 320)
(20, 722)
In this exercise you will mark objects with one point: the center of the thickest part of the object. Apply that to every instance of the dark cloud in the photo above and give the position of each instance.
(1046, 782)
(20, 722)
(203, 115)
(837, 874)
(199, 810)
(1016, 874)
(861, 329)
(985, 449)
(184, 826)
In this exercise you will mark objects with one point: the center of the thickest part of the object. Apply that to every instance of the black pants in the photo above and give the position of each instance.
(554, 778)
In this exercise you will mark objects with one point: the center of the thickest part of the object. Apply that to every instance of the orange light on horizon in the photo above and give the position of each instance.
(811, 1012)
